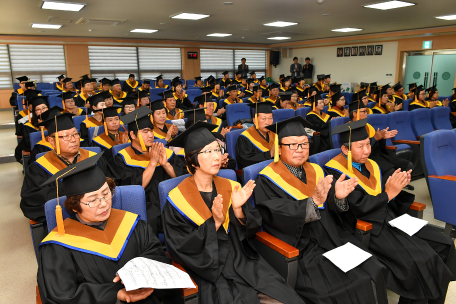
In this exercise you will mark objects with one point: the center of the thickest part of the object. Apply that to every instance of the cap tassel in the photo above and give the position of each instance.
(256, 116)
(63, 104)
(313, 106)
(276, 146)
(138, 101)
(141, 140)
(104, 123)
(357, 113)
(59, 219)
(56, 134)
(43, 138)
(349, 154)
(87, 119)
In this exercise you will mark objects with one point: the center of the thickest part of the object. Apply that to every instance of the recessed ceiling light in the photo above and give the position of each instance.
(142, 31)
(228, 3)
(448, 17)
(63, 6)
(189, 16)
(347, 29)
(48, 26)
(219, 35)
(279, 38)
(389, 5)
(163, 23)
(280, 24)
(326, 14)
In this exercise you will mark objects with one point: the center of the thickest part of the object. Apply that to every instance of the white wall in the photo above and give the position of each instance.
(345, 69)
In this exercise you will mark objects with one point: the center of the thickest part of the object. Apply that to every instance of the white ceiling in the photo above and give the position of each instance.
(244, 19)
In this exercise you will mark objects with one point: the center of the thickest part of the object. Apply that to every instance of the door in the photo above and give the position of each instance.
(417, 70)
(443, 71)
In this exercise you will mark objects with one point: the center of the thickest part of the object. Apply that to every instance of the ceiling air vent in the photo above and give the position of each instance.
(94, 21)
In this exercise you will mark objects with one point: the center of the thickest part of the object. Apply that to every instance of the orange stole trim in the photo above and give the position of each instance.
(159, 132)
(106, 140)
(253, 133)
(93, 122)
(371, 182)
(53, 159)
(306, 189)
(133, 86)
(336, 110)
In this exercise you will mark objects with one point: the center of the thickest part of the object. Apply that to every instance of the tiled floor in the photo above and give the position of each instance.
(17, 260)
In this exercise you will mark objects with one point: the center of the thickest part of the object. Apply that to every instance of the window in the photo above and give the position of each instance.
(5, 70)
(41, 63)
(159, 61)
(215, 61)
(113, 62)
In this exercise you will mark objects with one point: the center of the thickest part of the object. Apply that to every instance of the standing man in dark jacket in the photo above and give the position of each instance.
(295, 68)
(243, 68)
(307, 71)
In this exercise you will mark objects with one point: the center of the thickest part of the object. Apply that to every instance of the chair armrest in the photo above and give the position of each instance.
(417, 206)
(25, 152)
(445, 177)
(364, 226)
(391, 148)
(418, 137)
(403, 141)
(317, 133)
(280, 246)
(186, 291)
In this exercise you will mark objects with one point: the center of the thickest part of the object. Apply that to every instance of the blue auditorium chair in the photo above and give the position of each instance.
(155, 91)
(36, 137)
(325, 109)
(191, 94)
(438, 150)
(282, 114)
(348, 97)
(421, 122)
(231, 139)
(77, 120)
(303, 112)
(237, 111)
(381, 121)
(191, 83)
(440, 117)
(167, 82)
(91, 131)
(281, 256)
(43, 86)
(406, 104)
(20, 103)
(323, 157)
(335, 142)
(371, 104)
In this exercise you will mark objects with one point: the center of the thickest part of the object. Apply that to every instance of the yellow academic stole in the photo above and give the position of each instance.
(186, 199)
(337, 111)
(416, 102)
(377, 107)
(106, 141)
(109, 243)
(52, 164)
(279, 175)
(159, 133)
(216, 121)
(259, 142)
(229, 101)
(29, 124)
(132, 86)
(372, 185)
(45, 144)
(324, 117)
(142, 160)
(59, 86)
(92, 122)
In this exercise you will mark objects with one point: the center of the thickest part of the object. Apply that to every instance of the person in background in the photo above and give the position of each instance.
(130, 85)
(170, 104)
(143, 97)
(327, 80)
(320, 84)
(69, 86)
(281, 76)
(145, 87)
(264, 86)
(294, 100)
(433, 96)
(116, 91)
(243, 68)
(232, 98)
(69, 104)
(95, 88)
(180, 95)
(226, 79)
(253, 77)
(371, 96)
(285, 84)
(86, 91)
(321, 121)
(162, 129)
(96, 103)
(19, 92)
(420, 100)
(105, 85)
(453, 108)
(198, 82)
(384, 104)
(257, 94)
(338, 106)
(244, 82)
(159, 83)
(411, 93)
(273, 93)
(307, 71)
(128, 105)
(60, 85)
(399, 91)
(237, 78)
(295, 68)
(248, 91)
(284, 101)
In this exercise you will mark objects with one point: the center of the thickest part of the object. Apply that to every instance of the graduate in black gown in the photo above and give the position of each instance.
(96, 103)
(420, 99)
(68, 152)
(320, 121)
(453, 108)
(82, 272)
(146, 163)
(419, 267)
(296, 202)
(209, 226)
(338, 106)
(182, 101)
(254, 144)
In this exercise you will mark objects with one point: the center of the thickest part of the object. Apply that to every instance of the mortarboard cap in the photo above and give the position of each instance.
(431, 91)
(291, 127)
(256, 88)
(364, 85)
(128, 100)
(195, 115)
(94, 100)
(231, 88)
(29, 84)
(397, 86)
(66, 95)
(131, 75)
(51, 113)
(195, 137)
(374, 84)
(146, 81)
(412, 86)
(285, 79)
(64, 122)
(166, 94)
(353, 131)
(138, 119)
(115, 81)
(252, 73)
(37, 100)
(274, 86)
(60, 77)
(106, 94)
(262, 107)
(110, 112)
(205, 90)
(321, 76)
(281, 76)
(105, 81)
(67, 80)
(156, 105)
(356, 105)
(327, 76)
(29, 94)
(261, 79)
(22, 78)
(198, 78)
(334, 87)
(286, 95)
(336, 97)
(203, 98)
(238, 73)
(225, 72)
(93, 79)
(418, 90)
(159, 77)
(142, 94)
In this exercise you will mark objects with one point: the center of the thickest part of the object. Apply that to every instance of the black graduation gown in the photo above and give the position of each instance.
(414, 270)
(33, 196)
(129, 175)
(85, 131)
(453, 113)
(71, 276)
(324, 129)
(247, 154)
(318, 280)
(398, 101)
(226, 267)
(335, 114)
(183, 104)
(37, 149)
(387, 161)
(415, 106)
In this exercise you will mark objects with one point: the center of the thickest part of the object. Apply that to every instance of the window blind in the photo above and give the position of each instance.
(5, 69)
(109, 61)
(216, 61)
(159, 61)
(41, 63)
(256, 60)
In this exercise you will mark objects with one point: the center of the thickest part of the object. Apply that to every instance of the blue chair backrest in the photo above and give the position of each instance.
(77, 120)
(20, 103)
(323, 157)
(237, 111)
(54, 101)
(324, 95)
(92, 149)
(36, 137)
(439, 147)
(128, 198)
(333, 123)
(191, 82)
(325, 109)
(245, 99)
(101, 129)
(117, 148)
(303, 112)
(406, 104)
(371, 104)
(282, 114)
(440, 117)
(400, 121)
(166, 186)
(191, 94)
(377, 121)
(421, 121)
(167, 82)
(231, 139)
(252, 172)
(348, 97)
(43, 86)
(16, 86)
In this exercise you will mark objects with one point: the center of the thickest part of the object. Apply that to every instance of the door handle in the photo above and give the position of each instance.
(434, 82)
(426, 74)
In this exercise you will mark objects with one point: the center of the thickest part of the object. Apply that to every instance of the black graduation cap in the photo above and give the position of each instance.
(194, 138)
(285, 79)
(138, 119)
(356, 105)
(372, 89)
(286, 95)
(244, 77)
(93, 79)
(146, 81)
(105, 81)
(67, 80)
(364, 85)
(250, 80)
(176, 81)
(94, 100)
(418, 89)
(262, 107)
(231, 88)
(22, 78)
(142, 94)
(128, 100)
(261, 79)
(51, 113)
(373, 84)
(281, 76)
(66, 95)
(274, 86)
(225, 72)
(159, 77)
(82, 82)
(203, 98)
(238, 73)
(205, 90)
(210, 78)
(198, 78)
(335, 87)
(327, 76)
(166, 94)
(397, 86)
(412, 86)
(60, 77)
(336, 97)
(37, 100)
(106, 94)
(131, 75)
(353, 131)
(291, 127)
(64, 122)
(321, 76)
(156, 105)
(314, 100)
(110, 112)
(29, 84)
(313, 89)
(195, 115)
(29, 94)
(80, 178)
(358, 96)
(252, 73)
(256, 88)
(115, 81)
(431, 91)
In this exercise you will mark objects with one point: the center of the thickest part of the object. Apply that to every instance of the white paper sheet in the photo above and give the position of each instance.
(146, 273)
(408, 224)
(347, 257)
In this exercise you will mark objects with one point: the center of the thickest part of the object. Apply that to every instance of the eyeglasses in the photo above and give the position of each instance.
(295, 146)
(209, 151)
(129, 107)
(97, 201)
(69, 136)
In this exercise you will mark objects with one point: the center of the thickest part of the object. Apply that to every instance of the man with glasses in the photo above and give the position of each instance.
(146, 163)
(338, 106)
(256, 144)
(64, 139)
